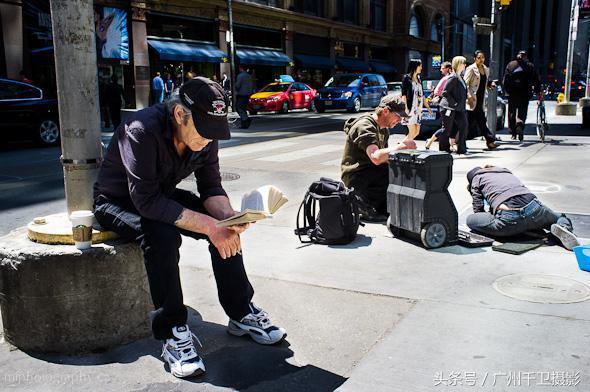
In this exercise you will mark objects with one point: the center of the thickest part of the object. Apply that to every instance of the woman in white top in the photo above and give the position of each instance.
(413, 96)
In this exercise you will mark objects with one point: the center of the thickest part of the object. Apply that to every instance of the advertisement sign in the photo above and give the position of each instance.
(112, 36)
(436, 61)
(584, 6)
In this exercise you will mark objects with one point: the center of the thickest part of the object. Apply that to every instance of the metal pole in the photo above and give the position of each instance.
(588, 73)
(232, 53)
(79, 117)
(442, 46)
(492, 115)
(570, 49)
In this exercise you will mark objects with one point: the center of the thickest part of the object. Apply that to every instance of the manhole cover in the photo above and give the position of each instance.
(543, 187)
(542, 288)
(229, 176)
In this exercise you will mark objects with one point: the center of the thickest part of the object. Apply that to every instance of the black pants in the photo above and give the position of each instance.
(242, 107)
(371, 185)
(115, 112)
(517, 109)
(160, 243)
(458, 120)
(477, 120)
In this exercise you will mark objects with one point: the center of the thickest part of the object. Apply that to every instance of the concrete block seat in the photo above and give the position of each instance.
(56, 298)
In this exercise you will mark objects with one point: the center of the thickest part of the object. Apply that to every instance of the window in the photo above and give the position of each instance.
(378, 12)
(302, 87)
(373, 81)
(310, 7)
(436, 29)
(343, 80)
(348, 11)
(10, 90)
(415, 28)
(270, 3)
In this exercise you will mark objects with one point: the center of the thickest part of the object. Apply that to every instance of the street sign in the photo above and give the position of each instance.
(483, 26)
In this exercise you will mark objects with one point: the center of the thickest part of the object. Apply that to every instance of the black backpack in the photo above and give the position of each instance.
(337, 219)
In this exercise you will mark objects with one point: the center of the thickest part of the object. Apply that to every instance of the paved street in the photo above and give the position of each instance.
(379, 314)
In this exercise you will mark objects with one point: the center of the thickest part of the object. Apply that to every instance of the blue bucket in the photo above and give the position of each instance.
(583, 256)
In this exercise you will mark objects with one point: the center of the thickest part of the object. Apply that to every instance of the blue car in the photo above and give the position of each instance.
(351, 92)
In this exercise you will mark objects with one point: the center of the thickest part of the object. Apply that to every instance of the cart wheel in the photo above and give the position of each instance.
(433, 235)
(395, 231)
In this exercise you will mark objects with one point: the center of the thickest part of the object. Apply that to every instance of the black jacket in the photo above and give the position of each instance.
(527, 77)
(454, 94)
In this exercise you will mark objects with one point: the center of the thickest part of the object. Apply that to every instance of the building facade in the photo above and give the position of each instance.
(310, 40)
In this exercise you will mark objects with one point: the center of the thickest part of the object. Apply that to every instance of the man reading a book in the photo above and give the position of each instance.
(136, 196)
(366, 155)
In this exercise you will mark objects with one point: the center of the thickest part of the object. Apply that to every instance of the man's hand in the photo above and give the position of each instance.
(239, 229)
(226, 241)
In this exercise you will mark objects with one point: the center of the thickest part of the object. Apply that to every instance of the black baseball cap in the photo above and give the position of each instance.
(394, 104)
(208, 104)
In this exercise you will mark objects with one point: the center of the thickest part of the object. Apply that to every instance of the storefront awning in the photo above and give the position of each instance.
(263, 57)
(319, 62)
(382, 67)
(350, 64)
(187, 51)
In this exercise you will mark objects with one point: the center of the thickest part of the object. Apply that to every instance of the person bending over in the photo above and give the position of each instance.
(366, 154)
(514, 208)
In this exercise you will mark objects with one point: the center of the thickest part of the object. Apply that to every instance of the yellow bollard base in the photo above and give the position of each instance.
(56, 229)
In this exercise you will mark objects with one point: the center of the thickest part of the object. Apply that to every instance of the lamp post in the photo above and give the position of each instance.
(566, 108)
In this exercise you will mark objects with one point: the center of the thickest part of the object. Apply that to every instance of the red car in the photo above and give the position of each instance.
(282, 97)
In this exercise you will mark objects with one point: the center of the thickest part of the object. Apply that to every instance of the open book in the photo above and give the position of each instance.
(259, 204)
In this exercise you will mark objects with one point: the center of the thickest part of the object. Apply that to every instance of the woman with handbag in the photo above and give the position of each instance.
(452, 107)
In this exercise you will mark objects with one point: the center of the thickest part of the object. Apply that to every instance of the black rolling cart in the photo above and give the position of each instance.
(418, 200)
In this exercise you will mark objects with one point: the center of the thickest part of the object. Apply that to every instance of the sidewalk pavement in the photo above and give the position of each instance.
(379, 314)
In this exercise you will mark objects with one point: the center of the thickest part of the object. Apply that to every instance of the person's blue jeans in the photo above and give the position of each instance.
(533, 216)
(158, 96)
(160, 243)
(242, 107)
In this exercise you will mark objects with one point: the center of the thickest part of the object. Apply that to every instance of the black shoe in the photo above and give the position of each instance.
(520, 132)
(246, 124)
(376, 218)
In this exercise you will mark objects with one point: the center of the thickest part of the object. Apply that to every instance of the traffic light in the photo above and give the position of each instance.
(504, 3)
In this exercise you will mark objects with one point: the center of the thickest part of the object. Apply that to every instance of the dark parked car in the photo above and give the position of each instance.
(25, 112)
(351, 92)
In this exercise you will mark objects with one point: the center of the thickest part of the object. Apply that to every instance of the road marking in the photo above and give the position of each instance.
(249, 148)
(335, 162)
(301, 154)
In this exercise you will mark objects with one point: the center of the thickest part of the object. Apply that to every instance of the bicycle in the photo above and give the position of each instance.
(542, 126)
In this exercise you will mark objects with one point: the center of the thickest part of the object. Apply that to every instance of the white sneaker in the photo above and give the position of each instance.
(181, 355)
(258, 326)
(567, 238)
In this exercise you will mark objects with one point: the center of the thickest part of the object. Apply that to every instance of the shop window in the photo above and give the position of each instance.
(378, 15)
(415, 28)
(310, 7)
(348, 11)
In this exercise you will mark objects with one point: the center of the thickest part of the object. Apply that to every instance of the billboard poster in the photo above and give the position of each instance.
(112, 35)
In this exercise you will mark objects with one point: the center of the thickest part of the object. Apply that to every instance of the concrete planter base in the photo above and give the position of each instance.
(566, 109)
(56, 298)
(584, 102)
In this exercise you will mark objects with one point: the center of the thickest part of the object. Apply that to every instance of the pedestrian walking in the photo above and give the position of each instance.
(114, 99)
(225, 83)
(477, 77)
(244, 89)
(514, 209)
(452, 108)
(366, 156)
(520, 78)
(413, 97)
(446, 70)
(136, 197)
(158, 89)
(168, 86)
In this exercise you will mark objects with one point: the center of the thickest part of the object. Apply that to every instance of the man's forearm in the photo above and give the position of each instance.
(196, 222)
(219, 207)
